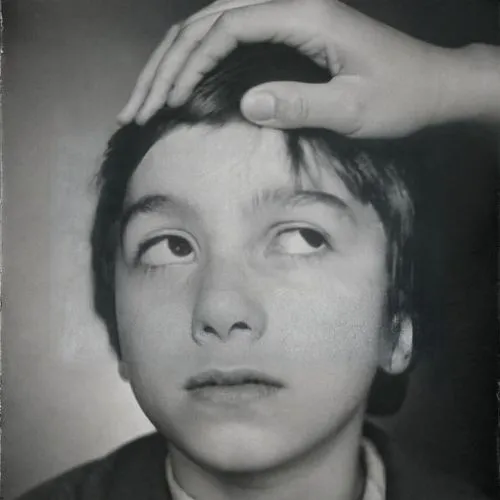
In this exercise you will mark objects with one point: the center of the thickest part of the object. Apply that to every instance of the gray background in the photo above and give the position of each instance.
(68, 68)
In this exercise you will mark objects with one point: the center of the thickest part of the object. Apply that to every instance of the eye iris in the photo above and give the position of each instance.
(179, 246)
(312, 238)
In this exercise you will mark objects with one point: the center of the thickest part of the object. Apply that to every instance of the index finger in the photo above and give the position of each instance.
(220, 6)
(266, 22)
(146, 77)
(191, 34)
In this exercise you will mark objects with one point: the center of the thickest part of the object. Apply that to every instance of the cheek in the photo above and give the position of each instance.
(332, 324)
(153, 316)
(317, 321)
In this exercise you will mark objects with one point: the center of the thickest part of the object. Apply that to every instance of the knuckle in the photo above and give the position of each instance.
(184, 32)
(352, 104)
(312, 4)
(318, 9)
(181, 36)
(296, 109)
(353, 110)
(175, 30)
(225, 21)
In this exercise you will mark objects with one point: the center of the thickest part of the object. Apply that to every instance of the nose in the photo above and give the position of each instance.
(226, 307)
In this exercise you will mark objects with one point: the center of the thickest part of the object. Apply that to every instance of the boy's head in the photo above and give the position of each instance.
(252, 281)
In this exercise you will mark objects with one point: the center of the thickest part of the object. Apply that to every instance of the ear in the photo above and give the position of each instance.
(398, 347)
(123, 371)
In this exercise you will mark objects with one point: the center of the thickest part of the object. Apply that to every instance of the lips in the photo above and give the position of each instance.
(232, 387)
(219, 378)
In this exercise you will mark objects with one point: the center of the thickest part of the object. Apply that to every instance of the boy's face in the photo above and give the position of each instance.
(250, 306)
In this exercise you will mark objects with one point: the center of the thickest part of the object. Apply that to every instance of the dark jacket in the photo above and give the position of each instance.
(137, 472)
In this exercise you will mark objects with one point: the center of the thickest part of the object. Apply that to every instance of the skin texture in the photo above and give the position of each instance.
(242, 287)
(385, 83)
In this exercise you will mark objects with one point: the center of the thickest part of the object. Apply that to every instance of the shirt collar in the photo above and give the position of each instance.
(375, 485)
(175, 489)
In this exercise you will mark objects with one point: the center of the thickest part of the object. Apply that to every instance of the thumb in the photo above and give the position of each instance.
(284, 105)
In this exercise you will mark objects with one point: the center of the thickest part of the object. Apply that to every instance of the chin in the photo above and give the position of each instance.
(236, 448)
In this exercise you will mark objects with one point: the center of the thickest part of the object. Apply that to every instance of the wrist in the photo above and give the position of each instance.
(469, 85)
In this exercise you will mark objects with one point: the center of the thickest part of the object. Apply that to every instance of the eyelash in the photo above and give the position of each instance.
(328, 245)
(280, 230)
(151, 242)
(145, 246)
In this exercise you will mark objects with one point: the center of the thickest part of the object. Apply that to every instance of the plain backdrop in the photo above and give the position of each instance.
(68, 68)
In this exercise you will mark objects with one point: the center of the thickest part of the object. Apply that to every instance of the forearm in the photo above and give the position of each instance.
(470, 85)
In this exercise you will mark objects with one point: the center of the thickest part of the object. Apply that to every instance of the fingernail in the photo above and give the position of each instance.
(175, 100)
(259, 106)
(144, 114)
(122, 116)
(142, 118)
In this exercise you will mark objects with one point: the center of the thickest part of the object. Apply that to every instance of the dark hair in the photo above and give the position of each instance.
(366, 167)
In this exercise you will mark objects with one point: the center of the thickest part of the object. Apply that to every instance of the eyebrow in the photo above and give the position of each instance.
(291, 199)
(285, 197)
(145, 205)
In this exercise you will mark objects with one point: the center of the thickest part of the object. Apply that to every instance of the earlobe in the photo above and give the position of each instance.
(123, 371)
(399, 354)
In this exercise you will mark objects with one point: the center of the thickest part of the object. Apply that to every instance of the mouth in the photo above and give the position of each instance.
(232, 386)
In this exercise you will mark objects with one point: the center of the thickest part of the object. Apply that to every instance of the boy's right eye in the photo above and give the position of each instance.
(166, 249)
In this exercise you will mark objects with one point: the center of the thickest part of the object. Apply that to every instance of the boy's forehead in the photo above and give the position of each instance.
(233, 156)
(235, 143)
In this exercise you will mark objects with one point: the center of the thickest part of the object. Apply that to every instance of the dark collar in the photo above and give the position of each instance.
(409, 479)
(140, 473)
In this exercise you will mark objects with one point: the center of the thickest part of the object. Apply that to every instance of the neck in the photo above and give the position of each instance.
(331, 470)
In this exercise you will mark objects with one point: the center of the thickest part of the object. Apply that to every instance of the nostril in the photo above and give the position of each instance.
(240, 325)
(223, 332)
(209, 329)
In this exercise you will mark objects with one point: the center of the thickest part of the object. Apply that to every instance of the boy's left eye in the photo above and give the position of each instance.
(300, 241)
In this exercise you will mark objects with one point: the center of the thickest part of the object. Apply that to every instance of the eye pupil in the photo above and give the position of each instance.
(179, 246)
(313, 238)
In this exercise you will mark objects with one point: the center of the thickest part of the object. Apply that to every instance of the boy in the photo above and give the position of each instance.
(253, 283)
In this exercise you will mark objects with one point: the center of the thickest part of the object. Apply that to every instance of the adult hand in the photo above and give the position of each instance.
(384, 83)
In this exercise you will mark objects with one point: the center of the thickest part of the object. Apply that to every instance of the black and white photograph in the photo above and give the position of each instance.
(250, 250)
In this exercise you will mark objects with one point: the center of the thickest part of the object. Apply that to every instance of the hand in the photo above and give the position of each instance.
(385, 83)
